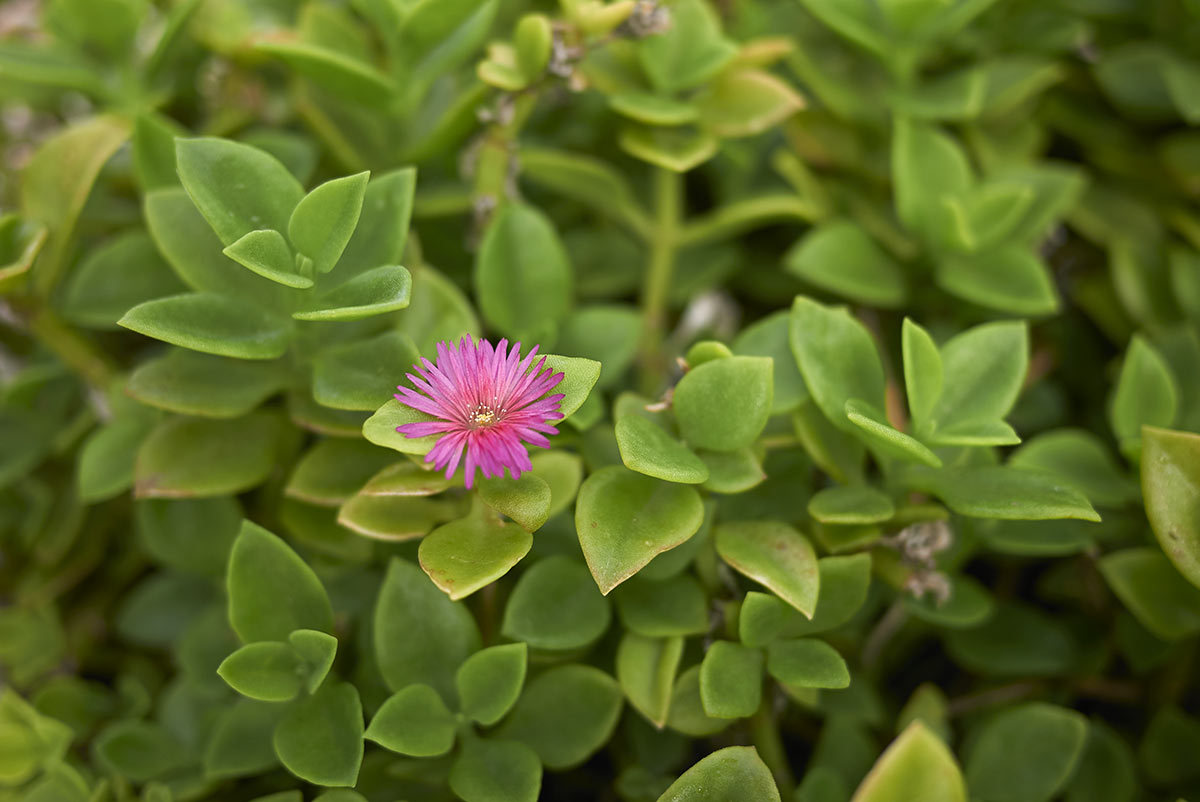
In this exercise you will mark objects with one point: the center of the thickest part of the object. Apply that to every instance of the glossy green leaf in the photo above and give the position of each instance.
(674, 149)
(775, 555)
(555, 606)
(724, 404)
(691, 52)
(420, 634)
(840, 257)
(879, 434)
(240, 744)
(625, 519)
(526, 500)
(212, 324)
(647, 449)
(317, 649)
(732, 774)
(126, 271)
(382, 230)
(1026, 753)
(1148, 584)
(927, 167)
(646, 669)
(363, 374)
(405, 478)
(769, 337)
(496, 771)
(319, 739)
(522, 272)
(1171, 487)
(465, 555)
(1146, 395)
(1016, 640)
(851, 505)
(966, 605)
(917, 765)
(732, 471)
(1010, 279)
(269, 671)
(1006, 493)
(490, 681)
(191, 383)
(565, 714)
(198, 457)
(263, 571)
(687, 711)
(653, 109)
(579, 377)
(1081, 458)
(333, 71)
(731, 680)
(414, 721)
(139, 750)
(266, 253)
(324, 220)
(395, 518)
(333, 470)
(373, 292)
(984, 369)
(189, 535)
(924, 373)
(1106, 771)
(380, 428)
(662, 608)
(1166, 753)
(837, 358)
(236, 187)
(745, 102)
(807, 663)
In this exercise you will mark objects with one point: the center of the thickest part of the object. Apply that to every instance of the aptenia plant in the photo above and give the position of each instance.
(642, 400)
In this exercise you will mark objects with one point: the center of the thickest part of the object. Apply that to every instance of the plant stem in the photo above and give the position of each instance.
(765, 733)
(664, 242)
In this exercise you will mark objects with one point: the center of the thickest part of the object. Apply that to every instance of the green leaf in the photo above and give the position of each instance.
(647, 449)
(732, 774)
(337, 73)
(769, 337)
(272, 592)
(1003, 492)
(31, 740)
(653, 109)
(490, 681)
(1171, 487)
(1026, 753)
(607, 334)
(420, 634)
(238, 188)
(414, 721)
(525, 500)
(807, 663)
(362, 374)
(967, 605)
(317, 649)
(732, 471)
(689, 53)
(579, 377)
(380, 429)
(1146, 394)
(108, 455)
(554, 606)
(625, 519)
(382, 229)
(687, 711)
(659, 609)
(1146, 582)
(189, 535)
(840, 257)
(395, 518)
(240, 744)
(319, 739)
(1081, 458)
(851, 505)
(724, 404)
(776, 555)
(731, 680)
(917, 765)
(646, 669)
(465, 555)
(746, 102)
(927, 167)
(373, 292)
(122, 273)
(984, 369)
(496, 771)
(333, 470)
(195, 253)
(405, 478)
(191, 383)
(56, 183)
(565, 714)
(1106, 771)
(198, 457)
(877, 432)
(269, 671)
(266, 253)
(562, 471)
(1010, 279)
(844, 582)
(583, 178)
(674, 149)
(212, 324)
(522, 273)
(139, 750)
(323, 222)
(1168, 748)
(924, 374)
(837, 358)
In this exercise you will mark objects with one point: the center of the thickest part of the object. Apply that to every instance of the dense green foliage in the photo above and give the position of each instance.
(879, 322)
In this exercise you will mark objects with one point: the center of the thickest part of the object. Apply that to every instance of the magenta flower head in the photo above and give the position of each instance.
(488, 402)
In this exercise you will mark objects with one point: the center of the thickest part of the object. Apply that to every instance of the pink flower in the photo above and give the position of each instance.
(488, 402)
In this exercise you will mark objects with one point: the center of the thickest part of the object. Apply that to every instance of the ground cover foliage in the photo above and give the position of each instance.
(877, 478)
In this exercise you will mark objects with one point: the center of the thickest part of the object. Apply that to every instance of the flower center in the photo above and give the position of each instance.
(483, 415)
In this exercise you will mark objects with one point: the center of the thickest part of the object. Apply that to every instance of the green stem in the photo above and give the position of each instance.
(765, 733)
(664, 242)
